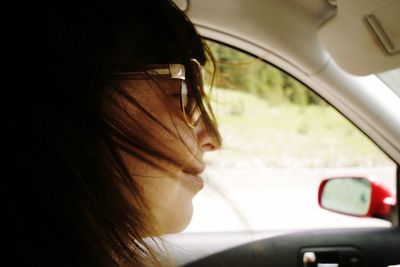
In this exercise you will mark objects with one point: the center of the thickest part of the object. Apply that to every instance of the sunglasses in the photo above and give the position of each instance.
(188, 94)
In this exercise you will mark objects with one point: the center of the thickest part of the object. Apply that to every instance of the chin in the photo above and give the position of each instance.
(177, 221)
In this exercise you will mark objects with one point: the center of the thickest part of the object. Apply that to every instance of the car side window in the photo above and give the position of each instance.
(280, 141)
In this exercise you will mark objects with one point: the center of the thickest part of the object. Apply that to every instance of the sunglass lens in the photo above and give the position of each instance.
(190, 107)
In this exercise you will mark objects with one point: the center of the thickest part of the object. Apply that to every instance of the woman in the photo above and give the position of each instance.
(120, 134)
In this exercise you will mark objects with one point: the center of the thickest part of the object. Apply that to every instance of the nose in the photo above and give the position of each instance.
(208, 139)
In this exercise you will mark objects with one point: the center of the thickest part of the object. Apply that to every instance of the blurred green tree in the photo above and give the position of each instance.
(239, 71)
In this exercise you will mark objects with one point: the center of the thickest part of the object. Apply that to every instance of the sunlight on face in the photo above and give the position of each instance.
(170, 186)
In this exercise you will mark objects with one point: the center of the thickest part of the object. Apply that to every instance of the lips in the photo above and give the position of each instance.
(195, 169)
(191, 174)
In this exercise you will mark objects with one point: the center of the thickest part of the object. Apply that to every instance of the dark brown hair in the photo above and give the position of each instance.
(76, 212)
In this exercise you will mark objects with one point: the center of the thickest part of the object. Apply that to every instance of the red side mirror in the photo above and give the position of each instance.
(356, 196)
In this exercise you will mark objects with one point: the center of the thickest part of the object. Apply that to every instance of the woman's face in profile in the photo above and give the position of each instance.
(170, 187)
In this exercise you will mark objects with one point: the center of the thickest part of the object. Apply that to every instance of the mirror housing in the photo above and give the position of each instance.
(356, 196)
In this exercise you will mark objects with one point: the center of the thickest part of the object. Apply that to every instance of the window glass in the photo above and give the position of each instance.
(280, 141)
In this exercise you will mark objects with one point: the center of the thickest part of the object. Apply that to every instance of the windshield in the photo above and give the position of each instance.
(391, 79)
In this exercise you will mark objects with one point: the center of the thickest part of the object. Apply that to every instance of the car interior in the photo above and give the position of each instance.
(342, 50)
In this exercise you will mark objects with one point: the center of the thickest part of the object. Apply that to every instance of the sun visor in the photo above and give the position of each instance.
(363, 37)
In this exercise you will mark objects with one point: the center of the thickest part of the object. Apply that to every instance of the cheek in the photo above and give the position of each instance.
(169, 134)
